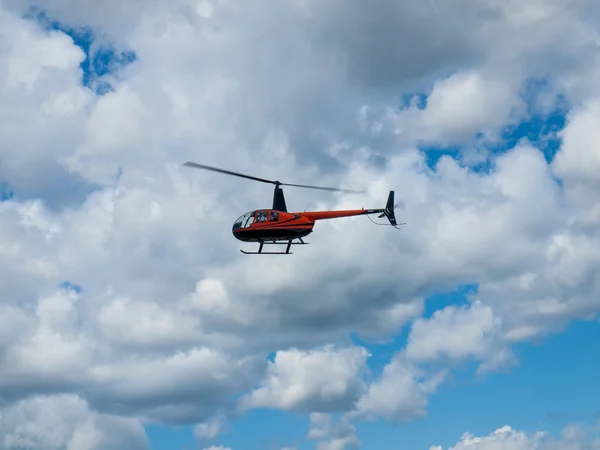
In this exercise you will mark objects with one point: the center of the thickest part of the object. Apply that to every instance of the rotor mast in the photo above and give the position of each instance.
(278, 198)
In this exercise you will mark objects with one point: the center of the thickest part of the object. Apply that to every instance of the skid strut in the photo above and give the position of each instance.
(288, 244)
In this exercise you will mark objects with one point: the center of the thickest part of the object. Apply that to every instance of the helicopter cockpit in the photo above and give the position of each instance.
(255, 216)
(244, 221)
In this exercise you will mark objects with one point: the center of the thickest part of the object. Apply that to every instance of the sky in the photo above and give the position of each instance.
(131, 320)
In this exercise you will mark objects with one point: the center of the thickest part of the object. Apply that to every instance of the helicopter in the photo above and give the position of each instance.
(277, 226)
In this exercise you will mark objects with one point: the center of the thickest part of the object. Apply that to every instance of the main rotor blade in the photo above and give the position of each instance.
(323, 188)
(228, 172)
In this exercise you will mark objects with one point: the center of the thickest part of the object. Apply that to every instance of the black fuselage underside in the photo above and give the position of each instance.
(282, 234)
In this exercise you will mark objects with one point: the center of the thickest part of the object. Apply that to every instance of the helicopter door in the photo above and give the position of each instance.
(261, 217)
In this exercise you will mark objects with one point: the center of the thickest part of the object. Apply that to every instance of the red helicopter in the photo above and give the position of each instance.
(278, 226)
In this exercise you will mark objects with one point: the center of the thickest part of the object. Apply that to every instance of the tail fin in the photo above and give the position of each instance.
(389, 209)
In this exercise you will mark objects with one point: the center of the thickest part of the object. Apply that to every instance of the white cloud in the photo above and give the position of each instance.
(577, 166)
(458, 107)
(400, 394)
(173, 322)
(320, 425)
(340, 435)
(507, 438)
(326, 379)
(66, 422)
(457, 333)
(578, 160)
(211, 428)
(43, 107)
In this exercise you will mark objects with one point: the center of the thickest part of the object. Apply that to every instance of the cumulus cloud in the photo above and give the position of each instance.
(400, 394)
(573, 438)
(65, 422)
(456, 333)
(171, 323)
(211, 428)
(458, 108)
(331, 434)
(325, 379)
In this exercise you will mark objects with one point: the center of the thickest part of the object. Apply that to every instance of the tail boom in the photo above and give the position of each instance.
(388, 212)
(323, 215)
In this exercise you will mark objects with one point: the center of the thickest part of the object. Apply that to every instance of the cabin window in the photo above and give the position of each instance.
(274, 217)
(261, 216)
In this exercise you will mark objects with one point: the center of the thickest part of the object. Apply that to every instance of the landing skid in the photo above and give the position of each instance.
(289, 244)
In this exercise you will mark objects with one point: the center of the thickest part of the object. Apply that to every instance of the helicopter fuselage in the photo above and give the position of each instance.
(271, 225)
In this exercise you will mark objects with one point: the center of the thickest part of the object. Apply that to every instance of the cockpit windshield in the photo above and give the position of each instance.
(244, 221)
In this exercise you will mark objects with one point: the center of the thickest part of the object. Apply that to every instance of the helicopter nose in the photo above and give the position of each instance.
(239, 236)
(234, 228)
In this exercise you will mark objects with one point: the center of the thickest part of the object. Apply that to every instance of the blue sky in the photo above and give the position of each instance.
(523, 398)
(554, 384)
